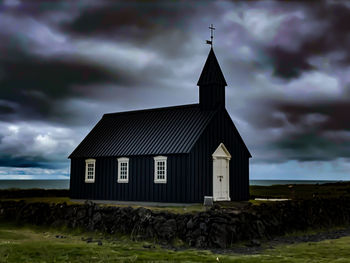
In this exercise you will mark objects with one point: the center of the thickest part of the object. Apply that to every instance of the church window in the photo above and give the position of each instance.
(160, 169)
(90, 170)
(123, 170)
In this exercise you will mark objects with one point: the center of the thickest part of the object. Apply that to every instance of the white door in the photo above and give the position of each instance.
(221, 174)
(220, 180)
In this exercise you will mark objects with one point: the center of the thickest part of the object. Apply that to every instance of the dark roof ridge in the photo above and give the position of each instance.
(151, 109)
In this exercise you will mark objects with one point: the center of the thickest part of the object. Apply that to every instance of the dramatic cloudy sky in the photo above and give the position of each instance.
(287, 65)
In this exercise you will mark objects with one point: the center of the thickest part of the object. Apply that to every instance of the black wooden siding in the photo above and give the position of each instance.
(141, 186)
(220, 130)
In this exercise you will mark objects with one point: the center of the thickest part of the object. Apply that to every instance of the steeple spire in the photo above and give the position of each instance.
(211, 82)
(211, 73)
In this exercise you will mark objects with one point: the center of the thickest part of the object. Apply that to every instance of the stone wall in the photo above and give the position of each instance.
(216, 227)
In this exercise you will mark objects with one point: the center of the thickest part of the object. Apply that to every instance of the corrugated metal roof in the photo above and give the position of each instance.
(146, 132)
(211, 73)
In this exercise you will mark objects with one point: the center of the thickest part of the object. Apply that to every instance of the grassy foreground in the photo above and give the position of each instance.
(38, 244)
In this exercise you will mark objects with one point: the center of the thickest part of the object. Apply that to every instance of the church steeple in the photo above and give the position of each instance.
(211, 84)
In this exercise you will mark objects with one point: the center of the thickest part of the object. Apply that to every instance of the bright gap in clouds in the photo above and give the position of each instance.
(13, 173)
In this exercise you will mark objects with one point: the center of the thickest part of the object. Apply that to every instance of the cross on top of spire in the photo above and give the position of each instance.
(210, 42)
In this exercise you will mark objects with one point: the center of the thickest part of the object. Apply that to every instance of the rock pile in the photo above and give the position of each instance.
(217, 227)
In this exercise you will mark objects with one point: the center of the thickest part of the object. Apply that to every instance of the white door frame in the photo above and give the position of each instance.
(221, 153)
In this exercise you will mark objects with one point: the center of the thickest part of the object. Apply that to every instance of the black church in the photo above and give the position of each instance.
(176, 154)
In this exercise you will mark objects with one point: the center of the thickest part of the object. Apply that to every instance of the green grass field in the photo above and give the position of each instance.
(38, 244)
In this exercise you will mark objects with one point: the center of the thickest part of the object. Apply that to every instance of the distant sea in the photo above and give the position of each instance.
(27, 184)
(64, 184)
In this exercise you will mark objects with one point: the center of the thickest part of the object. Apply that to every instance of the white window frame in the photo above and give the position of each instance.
(87, 162)
(158, 159)
(120, 161)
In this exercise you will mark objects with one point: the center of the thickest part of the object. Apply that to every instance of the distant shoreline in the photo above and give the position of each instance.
(64, 183)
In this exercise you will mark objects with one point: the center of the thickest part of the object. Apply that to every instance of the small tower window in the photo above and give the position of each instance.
(160, 169)
(123, 170)
(90, 170)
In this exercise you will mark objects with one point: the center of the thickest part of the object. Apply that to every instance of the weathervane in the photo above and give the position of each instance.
(210, 42)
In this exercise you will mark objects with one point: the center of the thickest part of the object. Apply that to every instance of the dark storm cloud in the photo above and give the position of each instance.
(144, 24)
(4, 110)
(312, 146)
(304, 132)
(331, 34)
(35, 84)
(330, 115)
(301, 111)
(52, 78)
(336, 114)
(138, 19)
(39, 7)
(289, 64)
(28, 161)
(36, 76)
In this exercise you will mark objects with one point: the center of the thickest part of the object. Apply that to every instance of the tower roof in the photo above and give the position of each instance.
(211, 73)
